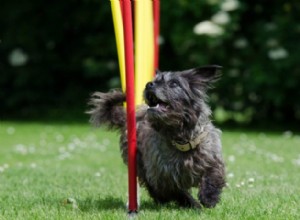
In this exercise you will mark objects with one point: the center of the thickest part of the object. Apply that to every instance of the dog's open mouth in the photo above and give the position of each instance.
(155, 103)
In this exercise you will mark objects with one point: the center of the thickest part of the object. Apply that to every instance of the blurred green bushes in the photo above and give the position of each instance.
(54, 54)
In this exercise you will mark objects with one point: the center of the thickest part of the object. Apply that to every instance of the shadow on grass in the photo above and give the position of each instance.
(112, 203)
(108, 203)
(152, 206)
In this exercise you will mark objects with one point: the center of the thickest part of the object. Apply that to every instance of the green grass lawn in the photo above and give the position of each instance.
(56, 171)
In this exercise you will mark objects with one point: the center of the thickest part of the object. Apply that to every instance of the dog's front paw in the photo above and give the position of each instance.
(209, 201)
(209, 196)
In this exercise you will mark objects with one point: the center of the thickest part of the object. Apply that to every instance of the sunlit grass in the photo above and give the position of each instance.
(55, 171)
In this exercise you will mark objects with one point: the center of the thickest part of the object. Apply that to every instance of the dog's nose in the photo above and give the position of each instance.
(149, 85)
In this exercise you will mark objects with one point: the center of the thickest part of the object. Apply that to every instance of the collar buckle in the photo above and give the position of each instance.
(192, 144)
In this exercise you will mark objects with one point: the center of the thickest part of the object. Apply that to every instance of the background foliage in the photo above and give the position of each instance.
(52, 56)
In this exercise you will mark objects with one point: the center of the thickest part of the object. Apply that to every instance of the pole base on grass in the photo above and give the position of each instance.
(132, 213)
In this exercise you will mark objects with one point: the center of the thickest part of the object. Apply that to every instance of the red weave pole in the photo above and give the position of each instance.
(121, 5)
(156, 16)
(131, 121)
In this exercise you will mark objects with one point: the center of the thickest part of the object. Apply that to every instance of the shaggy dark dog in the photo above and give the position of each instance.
(177, 145)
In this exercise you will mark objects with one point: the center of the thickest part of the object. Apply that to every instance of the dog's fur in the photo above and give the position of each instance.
(176, 112)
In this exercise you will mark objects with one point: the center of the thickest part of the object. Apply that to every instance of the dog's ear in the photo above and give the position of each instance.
(201, 79)
(205, 74)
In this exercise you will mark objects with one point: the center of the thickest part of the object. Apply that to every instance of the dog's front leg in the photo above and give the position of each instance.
(181, 197)
(211, 187)
(185, 199)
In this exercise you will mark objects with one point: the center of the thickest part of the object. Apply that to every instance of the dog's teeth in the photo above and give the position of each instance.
(157, 106)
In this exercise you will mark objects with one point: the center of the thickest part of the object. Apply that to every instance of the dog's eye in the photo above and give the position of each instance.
(173, 83)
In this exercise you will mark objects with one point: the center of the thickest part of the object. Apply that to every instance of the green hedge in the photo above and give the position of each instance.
(54, 54)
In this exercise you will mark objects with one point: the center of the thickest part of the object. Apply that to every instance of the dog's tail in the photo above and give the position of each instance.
(108, 109)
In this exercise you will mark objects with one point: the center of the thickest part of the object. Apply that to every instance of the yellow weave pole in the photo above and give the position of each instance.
(119, 34)
(144, 47)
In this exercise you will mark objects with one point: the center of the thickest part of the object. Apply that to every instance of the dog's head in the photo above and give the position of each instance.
(177, 99)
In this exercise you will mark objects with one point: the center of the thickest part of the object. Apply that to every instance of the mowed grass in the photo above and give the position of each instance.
(65, 171)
